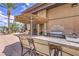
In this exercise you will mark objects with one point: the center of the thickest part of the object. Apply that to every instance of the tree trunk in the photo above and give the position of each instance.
(8, 13)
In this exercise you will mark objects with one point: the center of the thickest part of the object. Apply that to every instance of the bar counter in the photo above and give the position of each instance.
(59, 41)
(69, 48)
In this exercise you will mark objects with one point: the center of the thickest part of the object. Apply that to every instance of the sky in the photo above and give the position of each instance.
(3, 19)
(14, 12)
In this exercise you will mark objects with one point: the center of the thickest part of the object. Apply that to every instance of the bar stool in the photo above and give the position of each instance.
(57, 49)
(32, 47)
(24, 44)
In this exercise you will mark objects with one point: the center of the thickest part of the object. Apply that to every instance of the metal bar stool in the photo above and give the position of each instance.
(57, 49)
(24, 44)
(32, 47)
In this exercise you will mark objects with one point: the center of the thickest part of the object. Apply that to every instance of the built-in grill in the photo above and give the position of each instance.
(57, 31)
(58, 34)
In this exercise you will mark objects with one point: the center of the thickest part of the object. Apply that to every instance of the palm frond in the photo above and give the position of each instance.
(2, 5)
(14, 5)
(9, 5)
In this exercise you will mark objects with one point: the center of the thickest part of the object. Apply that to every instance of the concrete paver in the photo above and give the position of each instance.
(9, 45)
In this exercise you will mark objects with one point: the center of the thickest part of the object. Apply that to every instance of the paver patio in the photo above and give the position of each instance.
(9, 45)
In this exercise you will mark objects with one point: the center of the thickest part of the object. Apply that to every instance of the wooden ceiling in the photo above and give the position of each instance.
(25, 18)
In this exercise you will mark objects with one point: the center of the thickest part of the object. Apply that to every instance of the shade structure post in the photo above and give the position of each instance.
(28, 26)
(45, 29)
(38, 29)
(31, 27)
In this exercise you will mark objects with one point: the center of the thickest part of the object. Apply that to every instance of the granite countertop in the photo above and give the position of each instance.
(59, 41)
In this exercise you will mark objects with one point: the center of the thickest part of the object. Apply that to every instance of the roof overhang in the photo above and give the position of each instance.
(40, 6)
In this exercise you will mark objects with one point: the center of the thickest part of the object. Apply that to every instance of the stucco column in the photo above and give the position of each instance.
(45, 29)
(28, 26)
(31, 30)
(38, 29)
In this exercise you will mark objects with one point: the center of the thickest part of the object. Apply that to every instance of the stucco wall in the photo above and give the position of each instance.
(42, 13)
(64, 12)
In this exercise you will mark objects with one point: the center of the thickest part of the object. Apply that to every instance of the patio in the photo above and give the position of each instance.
(9, 45)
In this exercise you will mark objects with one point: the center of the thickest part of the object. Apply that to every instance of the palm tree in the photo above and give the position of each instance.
(8, 6)
(12, 26)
